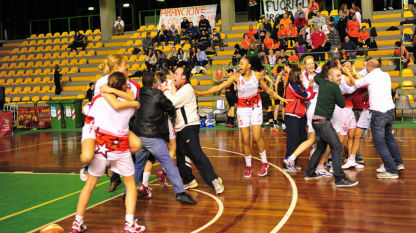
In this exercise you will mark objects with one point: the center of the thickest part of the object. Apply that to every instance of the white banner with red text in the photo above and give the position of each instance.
(175, 15)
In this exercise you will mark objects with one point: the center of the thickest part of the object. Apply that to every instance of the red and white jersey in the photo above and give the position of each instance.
(247, 88)
(347, 91)
(133, 86)
(166, 86)
(306, 78)
(109, 120)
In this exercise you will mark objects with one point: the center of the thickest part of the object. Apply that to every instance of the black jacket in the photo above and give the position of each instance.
(151, 119)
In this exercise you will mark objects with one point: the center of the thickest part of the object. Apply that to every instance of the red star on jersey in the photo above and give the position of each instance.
(102, 149)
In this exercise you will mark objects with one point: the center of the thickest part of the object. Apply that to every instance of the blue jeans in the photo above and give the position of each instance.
(326, 135)
(157, 147)
(383, 139)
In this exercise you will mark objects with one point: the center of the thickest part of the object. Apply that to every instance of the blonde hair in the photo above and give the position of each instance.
(112, 60)
(305, 59)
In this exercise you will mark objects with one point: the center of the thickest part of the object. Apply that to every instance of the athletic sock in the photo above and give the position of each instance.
(248, 160)
(263, 156)
(292, 157)
(352, 157)
(79, 219)
(129, 218)
(146, 176)
(320, 166)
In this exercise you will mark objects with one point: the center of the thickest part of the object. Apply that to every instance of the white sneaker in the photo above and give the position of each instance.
(350, 163)
(83, 173)
(384, 9)
(387, 175)
(400, 167)
(390, 8)
(381, 168)
(323, 172)
(283, 126)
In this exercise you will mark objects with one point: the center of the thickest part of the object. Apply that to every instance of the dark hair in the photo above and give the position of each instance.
(148, 79)
(117, 80)
(294, 77)
(398, 43)
(255, 62)
(162, 76)
(186, 72)
(90, 84)
(331, 63)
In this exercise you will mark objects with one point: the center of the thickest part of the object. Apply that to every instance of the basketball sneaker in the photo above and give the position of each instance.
(351, 163)
(323, 172)
(263, 169)
(161, 175)
(78, 227)
(83, 173)
(133, 227)
(191, 185)
(290, 164)
(248, 171)
(145, 192)
(217, 183)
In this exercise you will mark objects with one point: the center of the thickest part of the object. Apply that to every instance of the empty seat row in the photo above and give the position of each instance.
(26, 81)
(29, 90)
(47, 63)
(27, 99)
(57, 41)
(43, 56)
(30, 72)
(57, 34)
(51, 48)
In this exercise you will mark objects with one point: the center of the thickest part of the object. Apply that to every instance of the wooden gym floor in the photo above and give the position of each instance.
(277, 202)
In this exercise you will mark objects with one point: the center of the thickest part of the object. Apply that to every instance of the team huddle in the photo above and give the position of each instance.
(128, 128)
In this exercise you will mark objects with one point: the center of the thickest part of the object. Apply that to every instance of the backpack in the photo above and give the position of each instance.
(136, 51)
(373, 44)
(373, 31)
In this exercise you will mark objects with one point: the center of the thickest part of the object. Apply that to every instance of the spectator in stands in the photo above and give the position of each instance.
(298, 12)
(293, 32)
(357, 13)
(293, 57)
(173, 35)
(262, 51)
(271, 58)
(282, 34)
(401, 51)
(245, 43)
(344, 8)
(333, 36)
(261, 33)
(79, 41)
(312, 6)
(325, 28)
(184, 25)
(204, 25)
(251, 33)
(290, 16)
(216, 39)
(201, 58)
(238, 54)
(353, 26)
(267, 25)
(252, 51)
(300, 21)
(173, 59)
(192, 57)
(269, 42)
(318, 39)
(119, 26)
(363, 37)
(282, 56)
(303, 38)
(151, 60)
(388, 6)
(57, 80)
(350, 47)
(285, 21)
(342, 26)
(203, 40)
(320, 20)
(192, 33)
(162, 34)
(344, 55)
(182, 58)
(252, 7)
(337, 17)
(162, 61)
(300, 48)
(90, 91)
(147, 43)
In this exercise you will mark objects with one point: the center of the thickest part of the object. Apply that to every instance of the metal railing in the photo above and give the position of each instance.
(68, 19)
(155, 15)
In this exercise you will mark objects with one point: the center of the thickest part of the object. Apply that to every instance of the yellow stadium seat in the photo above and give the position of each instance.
(8, 100)
(6, 58)
(132, 58)
(8, 90)
(219, 22)
(48, 35)
(45, 89)
(39, 56)
(16, 99)
(395, 85)
(64, 62)
(64, 47)
(36, 80)
(47, 64)
(138, 43)
(407, 85)
(47, 56)
(408, 31)
(21, 65)
(151, 27)
(56, 41)
(35, 89)
(411, 99)
(128, 43)
(40, 42)
(82, 61)
(81, 54)
(71, 33)
(334, 13)
(56, 34)
(96, 31)
(26, 90)
(41, 35)
(97, 38)
(88, 32)
(64, 40)
(55, 55)
(4, 66)
(324, 13)
(407, 73)
(48, 41)
(11, 73)
(47, 71)
(46, 97)
(56, 62)
(98, 45)
(32, 42)
(35, 99)
(2, 81)
(72, 54)
(73, 62)
(38, 71)
(27, 81)
(64, 70)
(407, 14)
(28, 73)
(25, 99)
(19, 73)
(18, 81)
(90, 53)
(142, 28)
(80, 96)
(135, 66)
(194, 82)
(52, 90)
(64, 34)
(17, 90)
(64, 55)
(30, 64)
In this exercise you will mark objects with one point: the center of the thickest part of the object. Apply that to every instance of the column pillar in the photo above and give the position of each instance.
(107, 18)
(367, 9)
(227, 14)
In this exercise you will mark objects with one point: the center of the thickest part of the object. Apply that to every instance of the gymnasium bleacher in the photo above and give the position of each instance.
(26, 68)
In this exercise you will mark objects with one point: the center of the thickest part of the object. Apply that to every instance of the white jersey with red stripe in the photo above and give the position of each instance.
(166, 86)
(248, 88)
(133, 86)
(114, 122)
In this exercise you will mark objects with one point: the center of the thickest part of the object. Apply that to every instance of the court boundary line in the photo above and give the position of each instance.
(38, 144)
(216, 217)
(292, 205)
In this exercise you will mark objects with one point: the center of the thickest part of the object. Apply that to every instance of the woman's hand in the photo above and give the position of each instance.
(106, 89)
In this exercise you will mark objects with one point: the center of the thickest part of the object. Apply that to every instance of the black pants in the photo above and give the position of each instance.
(201, 63)
(326, 135)
(319, 54)
(76, 45)
(296, 133)
(162, 37)
(150, 67)
(58, 88)
(397, 63)
(187, 144)
(354, 39)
